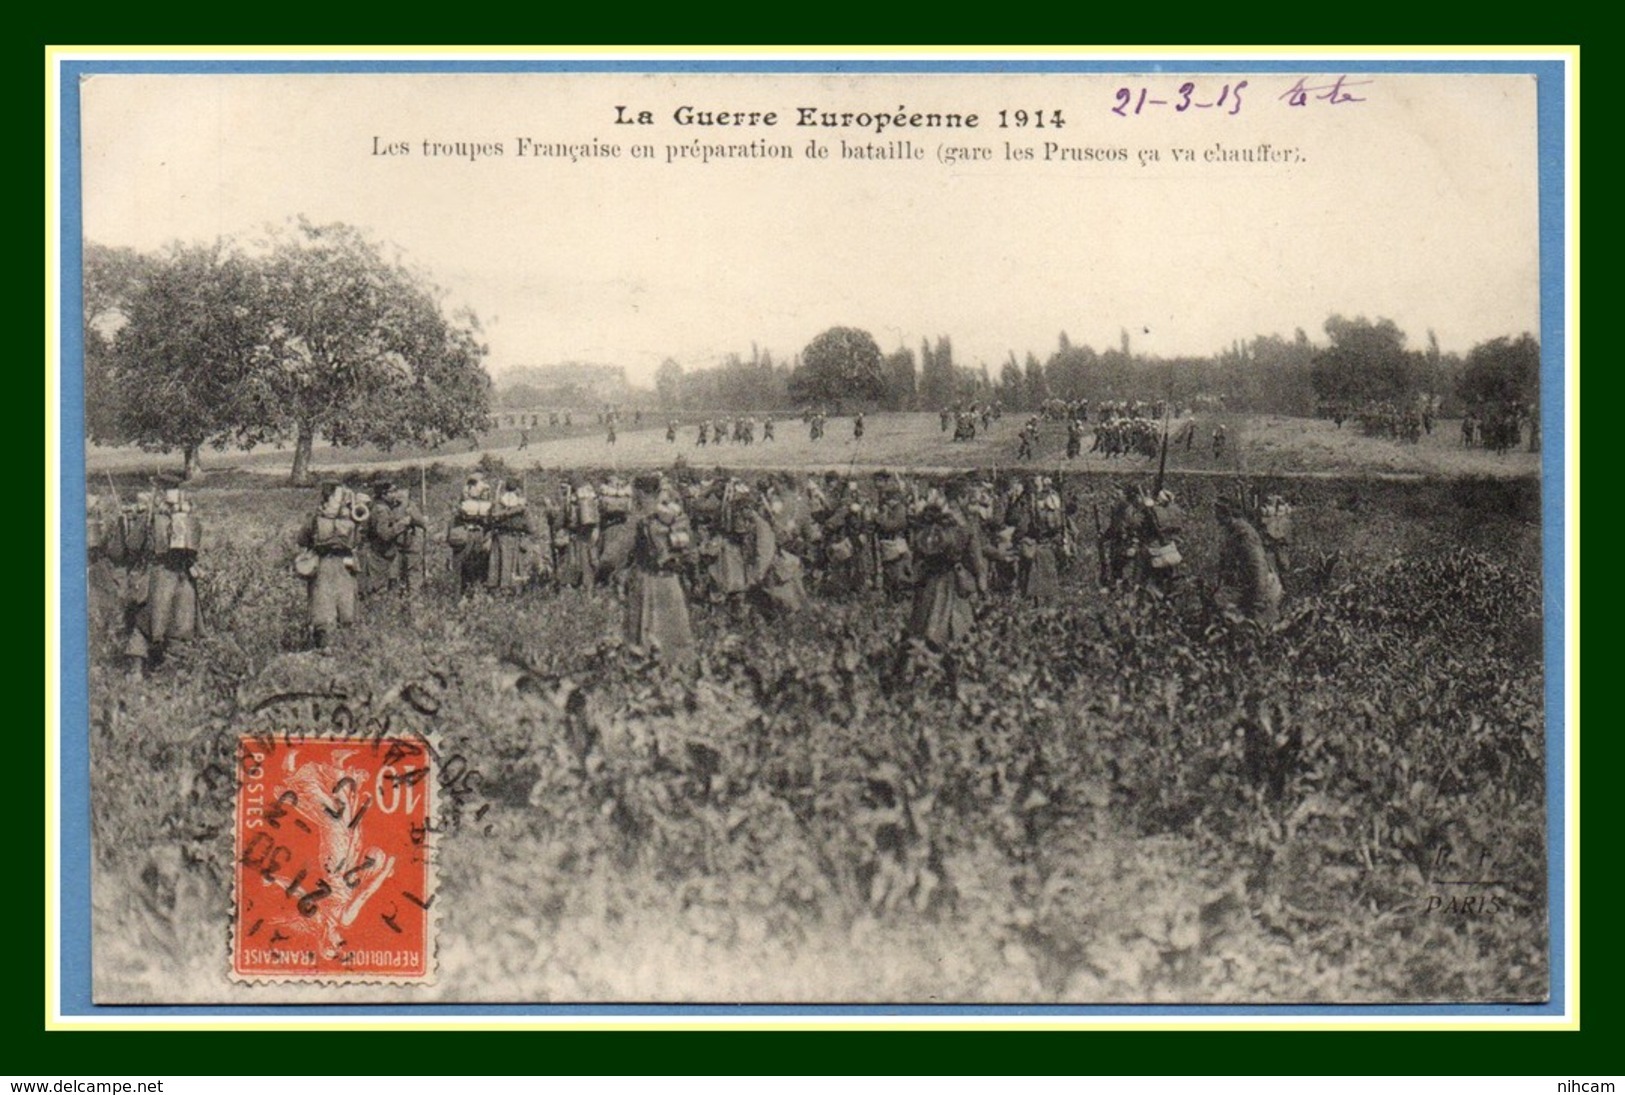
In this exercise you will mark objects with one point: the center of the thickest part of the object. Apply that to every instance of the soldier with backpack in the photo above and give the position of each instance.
(1040, 524)
(327, 561)
(164, 601)
(1247, 580)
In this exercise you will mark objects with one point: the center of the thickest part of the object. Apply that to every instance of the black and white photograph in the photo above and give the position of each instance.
(1000, 536)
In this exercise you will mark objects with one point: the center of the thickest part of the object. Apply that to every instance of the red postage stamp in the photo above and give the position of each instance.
(333, 873)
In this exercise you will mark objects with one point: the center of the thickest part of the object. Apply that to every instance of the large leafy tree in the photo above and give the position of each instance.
(171, 343)
(111, 276)
(361, 349)
(669, 384)
(1069, 370)
(1365, 363)
(841, 363)
(1502, 372)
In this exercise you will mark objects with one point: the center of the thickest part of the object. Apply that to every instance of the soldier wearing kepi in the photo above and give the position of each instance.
(106, 578)
(576, 534)
(1166, 521)
(782, 589)
(738, 557)
(130, 552)
(1275, 528)
(330, 540)
(1040, 526)
(392, 548)
(891, 521)
(512, 564)
(656, 610)
(1029, 439)
(1126, 535)
(170, 612)
(615, 531)
(983, 506)
(846, 537)
(469, 533)
(951, 568)
(1247, 581)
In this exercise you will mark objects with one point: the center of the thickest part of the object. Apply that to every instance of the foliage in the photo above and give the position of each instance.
(1069, 371)
(312, 331)
(669, 383)
(841, 363)
(938, 377)
(1114, 798)
(1365, 363)
(1269, 373)
(900, 380)
(171, 344)
(361, 349)
(1502, 372)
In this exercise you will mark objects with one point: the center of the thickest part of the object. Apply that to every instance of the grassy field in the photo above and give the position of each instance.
(1258, 444)
(1108, 799)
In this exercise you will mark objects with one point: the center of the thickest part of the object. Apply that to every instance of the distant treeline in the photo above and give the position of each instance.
(1360, 363)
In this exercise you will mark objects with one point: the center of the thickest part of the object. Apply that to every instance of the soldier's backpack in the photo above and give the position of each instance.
(179, 532)
(679, 531)
(1168, 518)
(615, 500)
(1275, 520)
(388, 523)
(1164, 556)
(586, 507)
(334, 534)
(1050, 517)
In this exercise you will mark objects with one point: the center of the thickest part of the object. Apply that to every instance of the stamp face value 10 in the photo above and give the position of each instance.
(332, 871)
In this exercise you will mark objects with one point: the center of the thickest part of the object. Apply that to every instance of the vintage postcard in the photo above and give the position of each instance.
(978, 534)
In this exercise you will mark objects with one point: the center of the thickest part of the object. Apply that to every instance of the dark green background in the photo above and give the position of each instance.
(29, 1050)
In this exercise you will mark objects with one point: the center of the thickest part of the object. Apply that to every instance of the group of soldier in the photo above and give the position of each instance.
(768, 544)
(964, 418)
(741, 430)
(1500, 427)
(760, 546)
(1382, 419)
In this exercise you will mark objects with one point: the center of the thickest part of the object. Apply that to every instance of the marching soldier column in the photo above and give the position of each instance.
(746, 547)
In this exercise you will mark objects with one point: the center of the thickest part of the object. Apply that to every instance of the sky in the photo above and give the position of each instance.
(1415, 200)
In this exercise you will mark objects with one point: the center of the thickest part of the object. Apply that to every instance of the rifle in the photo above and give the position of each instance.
(875, 566)
(423, 504)
(1162, 463)
(1100, 548)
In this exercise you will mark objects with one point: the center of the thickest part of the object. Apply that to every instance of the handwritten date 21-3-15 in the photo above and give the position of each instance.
(1227, 98)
